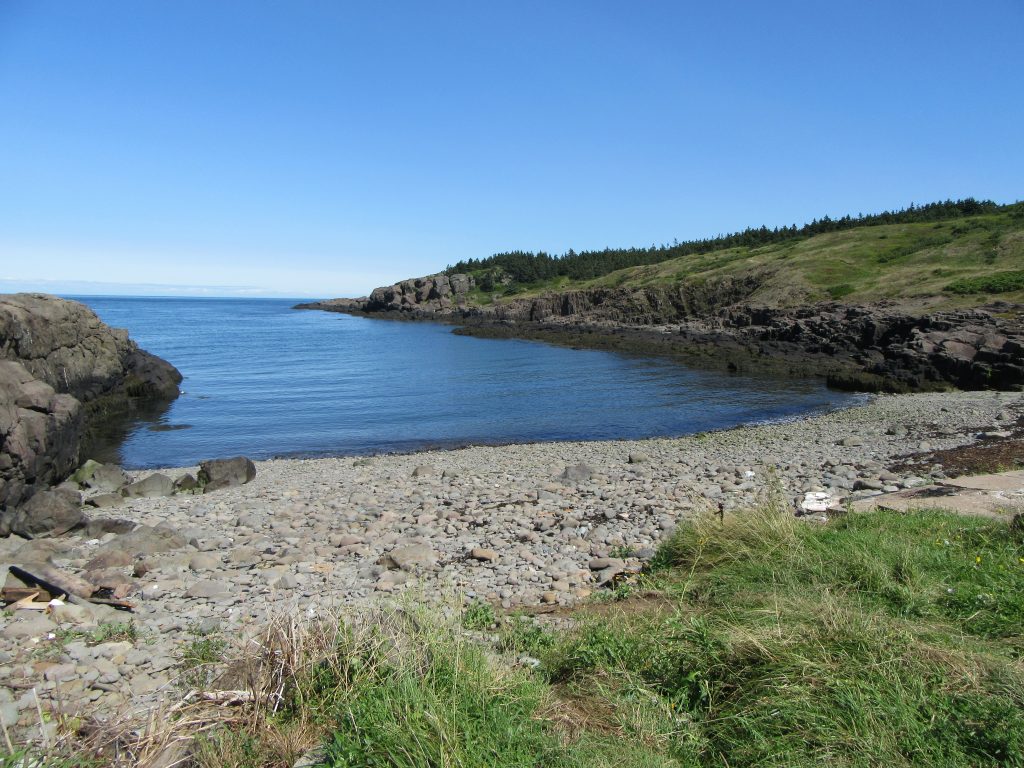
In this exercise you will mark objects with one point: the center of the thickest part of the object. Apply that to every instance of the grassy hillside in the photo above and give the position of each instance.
(965, 261)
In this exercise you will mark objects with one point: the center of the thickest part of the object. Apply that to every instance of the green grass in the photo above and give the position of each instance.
(200, 659)
(478, 615)
(444, 701)
(880, 639)
(999, 282)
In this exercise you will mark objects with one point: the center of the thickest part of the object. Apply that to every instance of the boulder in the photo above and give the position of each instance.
(206, 589)
(107, 478)
(66, 345)
(186, 484)
(110, 558)
(105, 500)
(145, 540)
(408, 556)
(27, 624)
(151, 486)
(225, 473)
(577, 473)
(204, 561)
(85, 472)
(48, 513)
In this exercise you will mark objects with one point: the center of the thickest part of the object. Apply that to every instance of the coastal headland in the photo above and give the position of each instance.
(922, 299)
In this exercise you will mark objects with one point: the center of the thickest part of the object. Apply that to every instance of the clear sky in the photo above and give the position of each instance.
(312, 148)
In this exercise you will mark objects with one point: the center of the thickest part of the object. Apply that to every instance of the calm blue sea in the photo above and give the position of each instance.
(264, 380)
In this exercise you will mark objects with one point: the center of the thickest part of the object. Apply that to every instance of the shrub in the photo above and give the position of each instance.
(997, 282)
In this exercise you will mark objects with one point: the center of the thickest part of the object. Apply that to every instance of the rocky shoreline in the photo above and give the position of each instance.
(879, 348)
(519, 526)
(63, 374)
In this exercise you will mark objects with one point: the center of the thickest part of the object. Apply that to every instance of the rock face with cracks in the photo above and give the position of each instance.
(61, 367)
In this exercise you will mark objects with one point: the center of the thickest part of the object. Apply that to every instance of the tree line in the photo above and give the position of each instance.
(524, 267)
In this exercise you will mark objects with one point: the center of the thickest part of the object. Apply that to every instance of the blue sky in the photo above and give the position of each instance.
(313, 148)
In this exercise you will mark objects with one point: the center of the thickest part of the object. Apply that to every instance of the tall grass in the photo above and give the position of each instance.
(881, 639)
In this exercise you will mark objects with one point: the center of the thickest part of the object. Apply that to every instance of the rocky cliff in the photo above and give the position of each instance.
(434, 295)
(61, 367)
(714, 322)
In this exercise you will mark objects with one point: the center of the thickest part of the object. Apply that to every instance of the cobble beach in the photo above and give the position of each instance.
(516, 525)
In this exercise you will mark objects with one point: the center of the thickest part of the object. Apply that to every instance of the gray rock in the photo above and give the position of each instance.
(208, 626)
(149, 487)
(207, 589)
(78, 615)
(424, 470)
(47, 513)
(110, 558)
(601, 563)
(24, 626)
(287, 581)
(100, 526)
(410, 556)
(9, 715)
(637, 457)
(225, 473)
(186, 483)
(865, 484)
(85, 472)
(38, 442)
(145, 540)
(107, 478)
(204, 562)
(105, 500)
(577, 473)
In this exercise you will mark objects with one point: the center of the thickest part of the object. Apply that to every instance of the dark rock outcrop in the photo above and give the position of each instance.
(62, 370)
(881, 347)
(39, 434)
(431, 295)
(969, 349)
(65, 344)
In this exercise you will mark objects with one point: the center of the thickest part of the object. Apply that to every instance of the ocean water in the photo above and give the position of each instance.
(264, 380)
